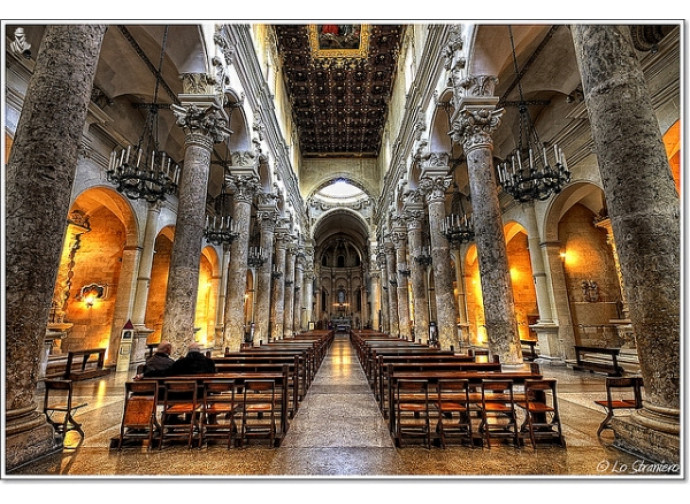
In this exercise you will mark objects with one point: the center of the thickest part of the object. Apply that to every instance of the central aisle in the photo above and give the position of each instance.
(338, 429)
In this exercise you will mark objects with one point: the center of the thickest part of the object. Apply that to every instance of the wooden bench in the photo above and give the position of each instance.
(530, 352)
(583, 356)
(88, 368)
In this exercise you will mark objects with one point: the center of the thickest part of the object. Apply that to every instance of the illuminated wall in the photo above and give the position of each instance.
(97, 261)
(204, 303)
(524, 292)
(155, 305)
(588, 258)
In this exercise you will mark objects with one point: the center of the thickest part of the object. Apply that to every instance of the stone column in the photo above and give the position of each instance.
(392, 281)
(220, 306)
(434, 183)
(288, 302)
(462, 297)
(298, 292)
(245, 185)
(145, 265)
(204, 124)
(545, 327)
(122, 311)
(473, 124)
(376, 298)
(414, 217)
(622, 322)
(383, 288)
(399, 238)
(537, 263)
(559, 344)
(282, 235)
(42, 162)
(308, 295)
(644, 208)
(267, 215)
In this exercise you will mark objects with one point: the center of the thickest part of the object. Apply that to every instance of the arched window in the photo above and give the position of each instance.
(341, 261)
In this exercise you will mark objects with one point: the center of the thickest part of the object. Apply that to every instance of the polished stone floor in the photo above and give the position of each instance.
(339, 433)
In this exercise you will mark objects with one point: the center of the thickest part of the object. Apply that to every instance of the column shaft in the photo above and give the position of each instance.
(440, 258)
(400, 240)
(278, 293)
(145, 265)
(288, 302)
(393, 316)
(263, 288)
(643, 206)
(42, 162)
(245, 188)
(474, 123)
(183, 277)
(420, 295)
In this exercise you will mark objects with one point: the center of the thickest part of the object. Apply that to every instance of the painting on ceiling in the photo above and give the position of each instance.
(339, 40)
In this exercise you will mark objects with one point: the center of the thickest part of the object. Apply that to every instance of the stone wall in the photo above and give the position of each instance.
(98, 261)
(158, 287)
(589, 259)
(523, 283)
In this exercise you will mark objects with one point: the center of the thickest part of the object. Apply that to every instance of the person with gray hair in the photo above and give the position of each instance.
(159, 363)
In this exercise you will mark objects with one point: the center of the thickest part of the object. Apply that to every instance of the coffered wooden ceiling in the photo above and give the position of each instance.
(339, 80)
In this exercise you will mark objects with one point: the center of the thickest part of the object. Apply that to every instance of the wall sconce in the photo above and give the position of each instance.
(91, 293)
(563, 255)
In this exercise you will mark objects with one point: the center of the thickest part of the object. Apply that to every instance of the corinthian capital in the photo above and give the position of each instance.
(210, 121)
(414, 219)
(434, 188)
(473, 126)
(267, 219)
(244, 187)
(267, 199)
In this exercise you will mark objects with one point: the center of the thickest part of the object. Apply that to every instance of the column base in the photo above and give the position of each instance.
(549, 343)
(28, 438)
(648, 435)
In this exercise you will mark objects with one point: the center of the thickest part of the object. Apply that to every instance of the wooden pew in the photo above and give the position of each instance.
(88, 368)
(474, 377)
(224, 367)
(611, 367)
(282, 379)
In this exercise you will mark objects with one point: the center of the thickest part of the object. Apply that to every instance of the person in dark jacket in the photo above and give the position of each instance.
(193, 363)
(158, 364)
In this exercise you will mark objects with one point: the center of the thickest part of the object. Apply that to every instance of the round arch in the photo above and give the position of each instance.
(341, 220)
(92, 198)
(586, 193)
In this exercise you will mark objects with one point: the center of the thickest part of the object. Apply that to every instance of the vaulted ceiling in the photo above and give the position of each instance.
(339, 80)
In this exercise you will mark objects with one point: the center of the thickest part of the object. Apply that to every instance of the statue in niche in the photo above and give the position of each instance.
(590, 291)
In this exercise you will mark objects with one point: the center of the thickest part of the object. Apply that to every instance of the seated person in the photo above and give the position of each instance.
(158, 363)
(194, 362)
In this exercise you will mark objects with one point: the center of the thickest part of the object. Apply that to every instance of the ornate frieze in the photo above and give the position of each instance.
(226, 48)
(198, 84)
(243, 158)
(453, 59)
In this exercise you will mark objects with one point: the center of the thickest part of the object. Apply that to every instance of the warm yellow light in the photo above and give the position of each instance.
(89, 300)
(564, 255)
